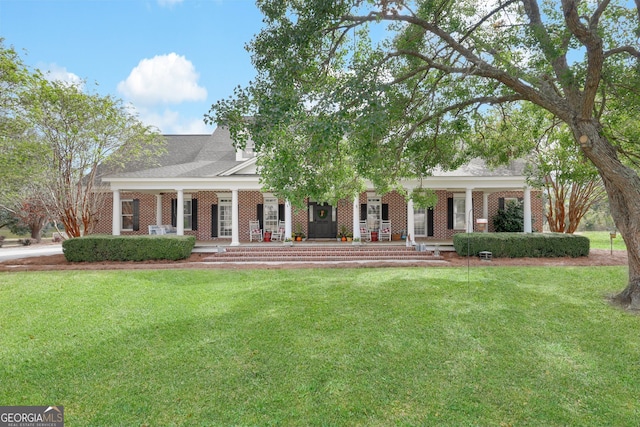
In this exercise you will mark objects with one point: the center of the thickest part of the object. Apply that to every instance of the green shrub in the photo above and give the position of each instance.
(520, 245)
(127, 248)
(510, 219)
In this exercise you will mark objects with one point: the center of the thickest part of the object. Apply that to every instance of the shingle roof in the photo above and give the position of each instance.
(190, 156)
(479, 168)
(199, 156)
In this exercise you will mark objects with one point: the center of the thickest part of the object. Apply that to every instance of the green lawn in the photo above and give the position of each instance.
(602, 240)
(374, 347)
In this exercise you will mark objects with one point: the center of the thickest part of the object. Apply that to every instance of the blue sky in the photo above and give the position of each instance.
(171, 59)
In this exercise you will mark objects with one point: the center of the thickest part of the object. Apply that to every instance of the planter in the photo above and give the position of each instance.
(298, 238)
(396, 236)
(349, 239)
(267, 236)
(374, 236)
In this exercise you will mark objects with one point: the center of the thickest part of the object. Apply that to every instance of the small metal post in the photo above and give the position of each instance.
(612, 236)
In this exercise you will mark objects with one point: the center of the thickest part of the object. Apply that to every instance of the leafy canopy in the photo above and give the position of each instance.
(382, 90)
(55, 140)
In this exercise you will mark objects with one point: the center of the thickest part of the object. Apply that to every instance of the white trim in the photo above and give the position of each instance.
(527, 210)
(239, 167)
(115, 218)
(355, 222)
(235, 221)
(180, 212)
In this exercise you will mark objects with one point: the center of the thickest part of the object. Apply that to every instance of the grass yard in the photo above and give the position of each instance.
(602, 240)
(370, 347)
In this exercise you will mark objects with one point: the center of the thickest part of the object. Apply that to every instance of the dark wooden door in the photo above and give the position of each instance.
(321, 223)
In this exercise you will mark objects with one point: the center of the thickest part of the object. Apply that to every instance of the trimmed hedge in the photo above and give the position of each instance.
(97, 248)
(520, 245)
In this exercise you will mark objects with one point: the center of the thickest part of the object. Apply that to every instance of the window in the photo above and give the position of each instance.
(270, 214)
(127, 215)
(420, 221)
(459, 212)
(374, 213)
(225, 221)
(188, 213)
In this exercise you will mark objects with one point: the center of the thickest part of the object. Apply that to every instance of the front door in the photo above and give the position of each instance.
(322, 221)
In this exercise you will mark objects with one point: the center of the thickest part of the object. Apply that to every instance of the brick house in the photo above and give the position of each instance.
(206, 188)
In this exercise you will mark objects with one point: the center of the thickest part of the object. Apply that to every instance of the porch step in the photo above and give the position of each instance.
(297, 253)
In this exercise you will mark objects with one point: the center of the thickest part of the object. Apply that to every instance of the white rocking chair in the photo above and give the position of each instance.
(255, 232)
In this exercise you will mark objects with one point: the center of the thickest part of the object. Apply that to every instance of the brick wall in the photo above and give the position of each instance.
(397, 211)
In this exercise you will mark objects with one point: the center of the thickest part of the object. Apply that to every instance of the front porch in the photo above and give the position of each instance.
(223, 216)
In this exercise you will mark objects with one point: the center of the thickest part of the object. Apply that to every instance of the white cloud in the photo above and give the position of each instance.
(168, 3)
(163, 79)
(54, 72)
(172, 122)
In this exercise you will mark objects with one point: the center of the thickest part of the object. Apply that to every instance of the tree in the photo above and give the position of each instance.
(571, 185)
(402, 106)
(20, 153)
(54, 141)
(570, 182)
(83, 134)
(28, 214)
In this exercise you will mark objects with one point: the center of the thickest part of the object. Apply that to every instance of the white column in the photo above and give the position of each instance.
(117, 213)
(287, 219)
(527, 210)
(356, 218)
(158, 209)
(411, 223)
(485, 209)
(180, 213)
(468, 205)
(235, 219)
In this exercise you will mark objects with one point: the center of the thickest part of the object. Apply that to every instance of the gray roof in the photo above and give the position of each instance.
(478, 168)
(200, 156)
(190, 156)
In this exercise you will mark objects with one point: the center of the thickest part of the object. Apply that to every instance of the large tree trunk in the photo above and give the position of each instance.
(36, 227)
(627, 220)
(623, 189)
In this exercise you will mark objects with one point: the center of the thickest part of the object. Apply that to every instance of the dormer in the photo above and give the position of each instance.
(246, 154)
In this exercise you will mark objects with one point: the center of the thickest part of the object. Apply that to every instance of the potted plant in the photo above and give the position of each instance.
(298, 235)
(342, 235)
(349, 237)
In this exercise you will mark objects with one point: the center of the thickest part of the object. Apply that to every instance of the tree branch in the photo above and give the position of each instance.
(623, 49)
(595, 57)
(480, 66)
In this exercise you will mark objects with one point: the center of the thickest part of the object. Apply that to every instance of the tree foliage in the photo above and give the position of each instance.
(570, 182)
(20, 154)
(85, 134)
(392, 89)
(55, 139)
